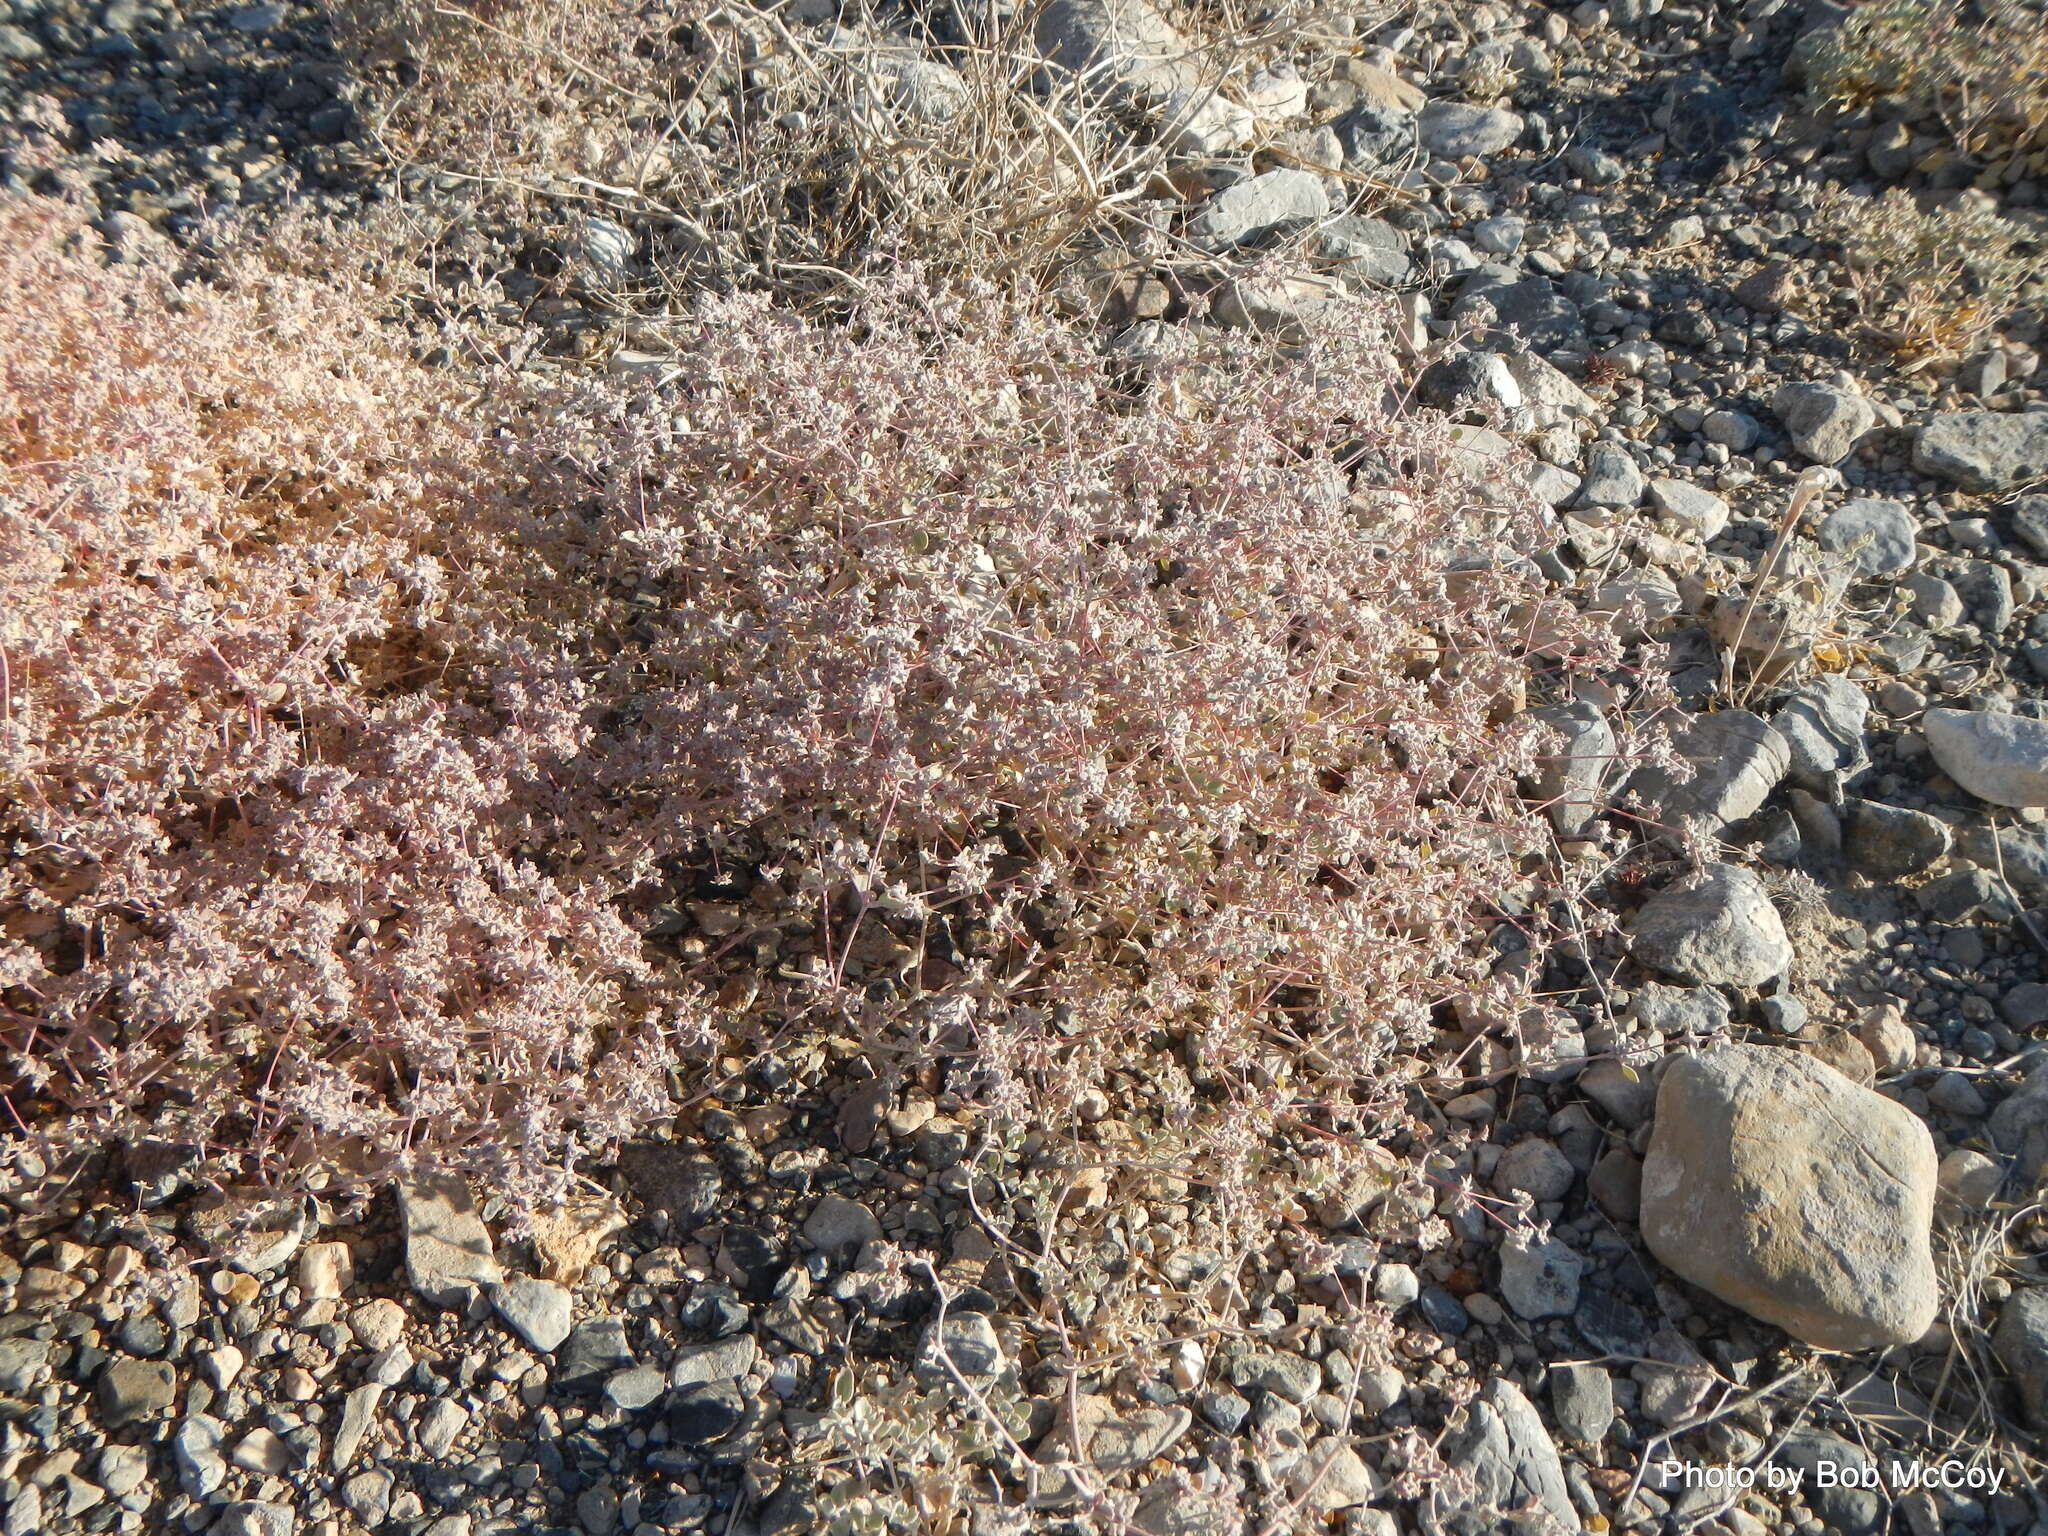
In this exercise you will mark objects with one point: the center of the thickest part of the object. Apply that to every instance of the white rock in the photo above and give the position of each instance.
(1539, 1278)
(325, 1271)
(539, 1311)
(1999, 758)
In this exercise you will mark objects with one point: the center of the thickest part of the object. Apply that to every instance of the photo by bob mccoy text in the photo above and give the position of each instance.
(1895, 1475)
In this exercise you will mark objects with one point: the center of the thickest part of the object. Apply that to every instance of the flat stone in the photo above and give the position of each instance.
(131, 1390)
(437, 1430)
(1534, 1167)
(1291, 1376)
(1850, 1499)
(968, 1340)
(1332, 1476)
(21, 1362)
(1713, 928)
(1249, 211)
(1690, 506)
(1679, 1013)
(706, 1413)
(1824, 423)
(593, 1351)
(358, 1415)
(1737, 760)
(1508, 1455)
(1582, 1402)
(1611, 478)
(539, 1311)
(195, 1451)
(724, 1360)
(1459, 131)
(635, 1388)
(1889, 842)
(447, 1247)
(1126, 47)
(1878, 538)
(1375, 137)
(1539, 1278)
(1999, 758)
(1822, 726)
(257, 1517)
(837, 1224)
(1984, 450)
(326, 1270)
(1786, 1190)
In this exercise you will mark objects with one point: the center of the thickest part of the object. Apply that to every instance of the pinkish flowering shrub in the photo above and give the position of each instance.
(1094, 714)
(264, 880)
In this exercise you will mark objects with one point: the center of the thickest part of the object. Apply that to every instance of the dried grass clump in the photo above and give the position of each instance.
(362, 747)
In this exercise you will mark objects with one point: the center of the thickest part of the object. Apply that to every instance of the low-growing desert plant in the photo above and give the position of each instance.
(1101, 721)
(1930, 279)
(1978, 68)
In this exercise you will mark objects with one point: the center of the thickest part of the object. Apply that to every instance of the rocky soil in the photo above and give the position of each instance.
(1777, 1202)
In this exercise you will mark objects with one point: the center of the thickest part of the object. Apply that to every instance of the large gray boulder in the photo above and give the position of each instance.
(1984, 450)
(1786, 1190)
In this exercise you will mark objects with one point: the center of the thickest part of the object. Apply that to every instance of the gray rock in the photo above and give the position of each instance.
(1534, 1167)
(1375, 138)
(1737, 760)
(724, 1360)
(634, 1388)
(1623, 1089)
(195, 1451)
(539, 1311)
(1616, 1183)
(593, 1352)
(1569, 779)
(131, 1390)
(1582, 1401)
(1458, 131)
(256, 1517)
(2021, 1344)
(437, 1430)
(1332, 1476)
(1611, 478)
(1786, 1190)
(969, 1340)
(1734, 430)
(1986, 591)
(1467, 380)
(1119, 1442)
(1713, 928)
(1271, 1370)
(1251, 210)
(358, 1414)
(1999, 758)
(367, 1496)
(1506, 1452)
(2019, 1127)
(1878, 537)
(447, 1247)
(1984, 450)
(1369, 250)
(1125, 47)
(837, 1224)
(121, 1469)
(1529, 308)
(1171, 1507)
(1824, 423)
(1853, 1509)
(21, 1360)
(1822, 727)
(1889, 842)
(2030, 522)
(1690, 506)
(1679, 1013)
(1539, 1278)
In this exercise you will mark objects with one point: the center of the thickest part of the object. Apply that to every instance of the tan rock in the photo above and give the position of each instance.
(1783, 1188)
